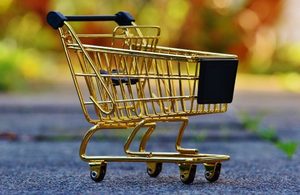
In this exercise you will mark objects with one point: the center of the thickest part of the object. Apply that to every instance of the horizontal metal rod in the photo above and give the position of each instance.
(113, 36)
(207, 159)
(133, 53)
(180, 155)
(107, 123)
(139, 76)
(204, 53)
(146, 99)
(196, 57)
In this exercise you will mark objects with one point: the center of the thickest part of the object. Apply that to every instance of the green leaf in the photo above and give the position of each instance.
(288, 147)
(268, 134)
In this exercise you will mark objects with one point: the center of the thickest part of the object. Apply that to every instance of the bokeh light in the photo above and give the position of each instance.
(255, 30)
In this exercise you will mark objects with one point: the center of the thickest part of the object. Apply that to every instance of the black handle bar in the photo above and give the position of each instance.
(56, 19)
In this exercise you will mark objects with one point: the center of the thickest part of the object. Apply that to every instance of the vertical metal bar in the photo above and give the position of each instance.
(166, 86)
(88, 80)
(143, 72)
(129, 89)
(140, 85)
(171, 87)
(159, 88)
(194, 89)
(119, 69)
(103, 96)
(77, 87)
(187, 64)
(108, 60)
(77, 40)
(181, 92)
(149, 84)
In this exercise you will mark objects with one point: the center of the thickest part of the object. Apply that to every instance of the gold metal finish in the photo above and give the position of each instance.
(133, 83)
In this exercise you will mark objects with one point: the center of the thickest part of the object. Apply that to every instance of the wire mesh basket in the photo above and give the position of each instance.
(134, 83)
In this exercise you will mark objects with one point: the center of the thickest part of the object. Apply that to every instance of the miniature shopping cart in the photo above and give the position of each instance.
(131, 82)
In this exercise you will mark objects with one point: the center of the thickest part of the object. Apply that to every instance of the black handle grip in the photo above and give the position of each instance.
(56, 19)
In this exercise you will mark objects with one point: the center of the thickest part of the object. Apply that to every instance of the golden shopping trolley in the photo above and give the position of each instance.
(134, 83)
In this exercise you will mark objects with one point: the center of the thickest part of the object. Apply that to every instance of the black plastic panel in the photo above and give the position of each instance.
(216, 80)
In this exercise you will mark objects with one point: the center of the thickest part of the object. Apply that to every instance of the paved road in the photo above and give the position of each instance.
(54, 167)
(42, 157)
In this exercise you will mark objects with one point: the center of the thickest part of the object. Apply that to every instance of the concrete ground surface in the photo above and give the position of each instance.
(40, 136)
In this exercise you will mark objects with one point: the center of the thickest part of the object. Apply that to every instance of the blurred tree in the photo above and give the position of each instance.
(257, 22)
(243, 27)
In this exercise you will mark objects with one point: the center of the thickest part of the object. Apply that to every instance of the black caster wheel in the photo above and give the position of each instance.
(154, 169)
(98, 171)
(212, 172)
(187, 173)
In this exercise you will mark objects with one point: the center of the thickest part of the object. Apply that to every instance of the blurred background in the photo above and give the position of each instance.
(262, 33)
(40, 113)
(37, 96)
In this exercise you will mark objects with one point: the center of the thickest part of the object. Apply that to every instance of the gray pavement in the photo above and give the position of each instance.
(54, 167)
(40, 136)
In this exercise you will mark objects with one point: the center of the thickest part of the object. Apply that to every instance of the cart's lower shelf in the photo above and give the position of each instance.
(161, 157)
(187, 164)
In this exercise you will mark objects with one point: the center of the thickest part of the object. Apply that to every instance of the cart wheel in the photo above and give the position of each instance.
(187, 173)
(154, 169)
(212, 171)
(98, 171)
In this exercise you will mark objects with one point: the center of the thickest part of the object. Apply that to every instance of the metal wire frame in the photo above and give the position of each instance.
(139, 80)
(135, 83)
